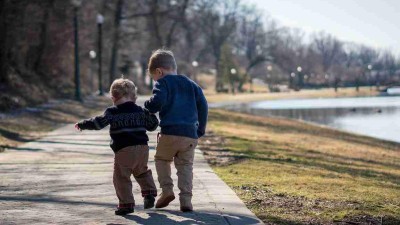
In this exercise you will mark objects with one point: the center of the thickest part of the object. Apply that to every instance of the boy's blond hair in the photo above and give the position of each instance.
(162, 58)
(123, 88)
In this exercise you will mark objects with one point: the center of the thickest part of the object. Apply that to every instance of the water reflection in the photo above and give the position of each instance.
(349, 114)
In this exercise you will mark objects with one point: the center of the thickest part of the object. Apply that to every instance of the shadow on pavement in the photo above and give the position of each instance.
(41, 199)
(196, 217)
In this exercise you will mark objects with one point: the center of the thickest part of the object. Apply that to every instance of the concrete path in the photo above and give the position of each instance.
(66, 178)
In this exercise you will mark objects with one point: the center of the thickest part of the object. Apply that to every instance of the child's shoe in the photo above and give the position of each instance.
(164, 200)
(124, 209)
(186, 204)
(149, 201)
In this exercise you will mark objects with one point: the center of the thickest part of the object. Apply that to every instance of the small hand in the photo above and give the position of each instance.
(77, 127)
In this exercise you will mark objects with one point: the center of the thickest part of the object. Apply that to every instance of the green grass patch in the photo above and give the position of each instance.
(291, 172)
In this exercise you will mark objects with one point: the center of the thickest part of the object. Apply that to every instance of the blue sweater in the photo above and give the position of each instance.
(182, 106)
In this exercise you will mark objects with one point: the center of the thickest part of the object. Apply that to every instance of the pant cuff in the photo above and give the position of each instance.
(126, 205)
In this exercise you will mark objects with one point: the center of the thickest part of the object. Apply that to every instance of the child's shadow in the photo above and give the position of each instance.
(196, 217)
(162, 218)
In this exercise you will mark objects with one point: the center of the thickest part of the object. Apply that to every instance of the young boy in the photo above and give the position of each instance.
(183, 117)
(128, 124)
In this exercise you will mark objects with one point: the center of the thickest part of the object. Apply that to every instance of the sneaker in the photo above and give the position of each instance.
(124, 209)
(164, 200)
(149, 201)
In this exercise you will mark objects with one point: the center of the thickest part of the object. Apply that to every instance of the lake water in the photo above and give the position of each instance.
(373, 116)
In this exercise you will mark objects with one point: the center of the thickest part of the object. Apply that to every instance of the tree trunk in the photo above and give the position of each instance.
(43, 36)
(3, 42)
(114, 52)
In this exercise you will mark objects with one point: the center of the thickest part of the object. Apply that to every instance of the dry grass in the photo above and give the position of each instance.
(212, 97)
(291, 172)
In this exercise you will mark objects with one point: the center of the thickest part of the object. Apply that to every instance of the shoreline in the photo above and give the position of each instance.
(303, 94)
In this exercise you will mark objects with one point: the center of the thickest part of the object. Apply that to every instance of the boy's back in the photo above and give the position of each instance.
(128, 124)
(182, 106)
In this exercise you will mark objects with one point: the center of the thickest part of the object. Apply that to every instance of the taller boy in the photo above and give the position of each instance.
(183, 117)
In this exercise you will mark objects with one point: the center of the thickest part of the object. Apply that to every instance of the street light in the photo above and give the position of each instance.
(233, 72)
(300, 77)
(195, 64)
(100, 20)
(370, 76)
(76, 4)
(291, 78)
(92, 55)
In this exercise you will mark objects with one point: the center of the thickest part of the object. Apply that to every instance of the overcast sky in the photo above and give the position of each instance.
(372, 22)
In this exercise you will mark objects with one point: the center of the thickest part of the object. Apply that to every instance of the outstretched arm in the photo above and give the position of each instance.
(95, 123)
(158, 99)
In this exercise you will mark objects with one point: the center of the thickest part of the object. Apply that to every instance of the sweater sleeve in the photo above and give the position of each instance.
(95, 123)
(151, 121)
(202, 112)
(159, 98)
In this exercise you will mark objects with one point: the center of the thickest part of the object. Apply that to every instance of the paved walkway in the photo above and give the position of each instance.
(66, 178)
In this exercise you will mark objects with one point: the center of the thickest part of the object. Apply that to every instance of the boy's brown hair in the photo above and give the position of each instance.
(123, 88)
(162, 58)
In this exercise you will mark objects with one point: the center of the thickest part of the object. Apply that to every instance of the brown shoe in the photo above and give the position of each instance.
(164, 200)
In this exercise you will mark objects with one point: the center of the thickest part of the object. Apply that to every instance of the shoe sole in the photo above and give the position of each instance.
(166, 202)
(186, 210)
(124, 213)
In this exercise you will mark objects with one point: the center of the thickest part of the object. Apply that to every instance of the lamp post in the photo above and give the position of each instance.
(100, 20)
(92, 55)
(327, 79)
(268, 80)
(370, 76)
(195, 64)
(291, 78)
(233, 72)
(300, 77)
(76, 4)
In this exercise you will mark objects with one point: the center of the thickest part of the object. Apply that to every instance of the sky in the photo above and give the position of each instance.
(375, 23)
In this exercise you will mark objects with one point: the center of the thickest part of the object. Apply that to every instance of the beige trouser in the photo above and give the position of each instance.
(132, 160)
(180, 150)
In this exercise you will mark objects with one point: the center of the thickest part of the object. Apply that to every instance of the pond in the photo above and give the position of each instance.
(373, 116)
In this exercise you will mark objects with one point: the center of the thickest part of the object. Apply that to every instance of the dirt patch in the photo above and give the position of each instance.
(215, 151)
(263, 198)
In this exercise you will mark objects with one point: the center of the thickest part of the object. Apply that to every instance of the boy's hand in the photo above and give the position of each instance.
(77, 127)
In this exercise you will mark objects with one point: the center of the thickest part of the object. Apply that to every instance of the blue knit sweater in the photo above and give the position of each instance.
(182, 106)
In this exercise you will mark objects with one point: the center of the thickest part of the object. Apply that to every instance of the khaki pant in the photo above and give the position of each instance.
(181, 151)
(132, 160)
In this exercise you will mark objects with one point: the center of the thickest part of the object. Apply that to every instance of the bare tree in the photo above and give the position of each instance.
(115, 41)
(288, 51)
(329, 49)
(219, 20)
(252, 40)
